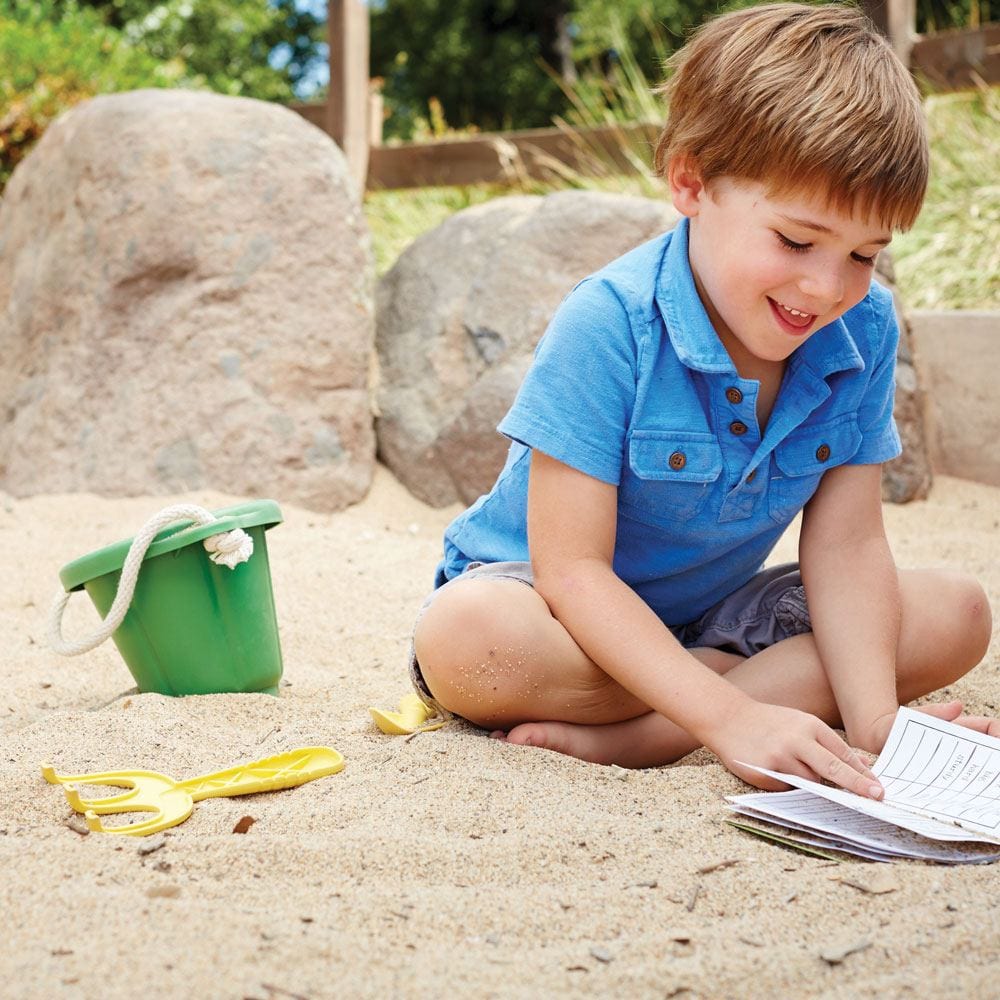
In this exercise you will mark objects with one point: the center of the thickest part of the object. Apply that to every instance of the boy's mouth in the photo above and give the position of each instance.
(794, 321)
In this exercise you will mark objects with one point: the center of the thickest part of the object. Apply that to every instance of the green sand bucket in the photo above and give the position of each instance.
(193, 626)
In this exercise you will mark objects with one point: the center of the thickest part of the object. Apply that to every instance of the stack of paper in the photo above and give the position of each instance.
(942, 800)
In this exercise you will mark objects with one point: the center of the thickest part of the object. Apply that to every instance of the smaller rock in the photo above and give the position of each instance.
(164, 892)
(835, 954)
(152, 846)
(244, 824)
(878, 882)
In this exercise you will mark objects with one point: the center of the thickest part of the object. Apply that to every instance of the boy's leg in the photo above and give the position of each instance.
(491, 652)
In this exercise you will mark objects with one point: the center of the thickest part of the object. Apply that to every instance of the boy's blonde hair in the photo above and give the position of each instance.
(800, 98)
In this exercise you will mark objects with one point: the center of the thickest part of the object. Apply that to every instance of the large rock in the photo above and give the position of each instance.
(459, 316)
(185, 302)
(908, 477)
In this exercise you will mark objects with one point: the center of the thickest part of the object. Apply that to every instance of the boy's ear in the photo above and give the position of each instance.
(687, 189)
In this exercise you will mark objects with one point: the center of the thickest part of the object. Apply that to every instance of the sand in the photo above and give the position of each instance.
(448, 862)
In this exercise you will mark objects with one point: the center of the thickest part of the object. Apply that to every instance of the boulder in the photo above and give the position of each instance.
(908, 477)
(459, 316)
(185, 302)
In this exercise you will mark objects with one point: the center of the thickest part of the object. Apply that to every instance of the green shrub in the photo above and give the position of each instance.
(56, 53)
(54, 56)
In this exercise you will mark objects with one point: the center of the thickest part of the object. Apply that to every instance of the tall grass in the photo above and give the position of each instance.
(620, 96)
(951, 257)
(397, 218)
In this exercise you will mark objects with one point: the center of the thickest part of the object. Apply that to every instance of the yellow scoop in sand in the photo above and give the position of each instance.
(171, 801)
(411, 718)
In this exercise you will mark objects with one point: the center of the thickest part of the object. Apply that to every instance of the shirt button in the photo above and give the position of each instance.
(734, 395)
(823, 452)
(738, 427)
(677, 460)
(751, 475)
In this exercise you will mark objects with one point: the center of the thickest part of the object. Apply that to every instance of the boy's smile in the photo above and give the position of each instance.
(771, 270)
(797, 322)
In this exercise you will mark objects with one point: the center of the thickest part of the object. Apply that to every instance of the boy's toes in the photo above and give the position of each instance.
(562, 737)
(533, 734)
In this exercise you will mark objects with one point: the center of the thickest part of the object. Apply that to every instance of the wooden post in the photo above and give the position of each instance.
(376, 112)
(347, 104)
(897, 20)
(902, 27)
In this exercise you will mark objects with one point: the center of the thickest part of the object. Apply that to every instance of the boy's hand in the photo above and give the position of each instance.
(877, 732)
(980, 723)
(950, 711)
(785, 739)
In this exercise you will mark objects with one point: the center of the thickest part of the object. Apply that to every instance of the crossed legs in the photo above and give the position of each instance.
(491, 651)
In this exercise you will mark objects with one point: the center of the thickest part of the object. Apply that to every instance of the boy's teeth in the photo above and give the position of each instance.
(794, 312)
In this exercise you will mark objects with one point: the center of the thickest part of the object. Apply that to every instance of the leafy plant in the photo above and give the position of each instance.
(481, 59)
(53, 60)
(55, 53)
(227, 46)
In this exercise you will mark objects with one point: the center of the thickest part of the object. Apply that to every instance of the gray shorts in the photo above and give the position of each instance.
(770, 607)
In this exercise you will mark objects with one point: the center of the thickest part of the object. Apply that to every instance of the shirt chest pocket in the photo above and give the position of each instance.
(670, 474)
(802, 458)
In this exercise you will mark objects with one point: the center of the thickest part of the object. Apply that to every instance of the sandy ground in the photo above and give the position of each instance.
(445, 863)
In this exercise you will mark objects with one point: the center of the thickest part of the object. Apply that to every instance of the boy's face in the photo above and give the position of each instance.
(772, 270)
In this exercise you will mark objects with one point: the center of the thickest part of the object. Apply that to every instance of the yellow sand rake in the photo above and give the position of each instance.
(171, 802)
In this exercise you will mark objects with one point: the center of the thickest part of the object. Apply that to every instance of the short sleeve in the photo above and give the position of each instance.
(879, 435)
(577, 398)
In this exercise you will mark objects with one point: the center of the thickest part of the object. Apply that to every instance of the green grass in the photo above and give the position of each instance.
(397, 218)
(951, 257)
(949, 260)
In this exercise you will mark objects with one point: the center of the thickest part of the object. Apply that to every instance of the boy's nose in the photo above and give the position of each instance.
(824, 288)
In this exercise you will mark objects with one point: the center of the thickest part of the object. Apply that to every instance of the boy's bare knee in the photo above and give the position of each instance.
(957, 613)
(442, 636)
(467, 644)
(974, 615)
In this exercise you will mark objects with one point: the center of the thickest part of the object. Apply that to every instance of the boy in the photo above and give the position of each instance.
(684, 405)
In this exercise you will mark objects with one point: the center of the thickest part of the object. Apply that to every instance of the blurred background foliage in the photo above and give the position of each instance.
(55, 53)
(506, 64)
(445, 65)
(51, 62)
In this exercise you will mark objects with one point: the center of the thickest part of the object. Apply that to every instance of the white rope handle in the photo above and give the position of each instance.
(230, 548)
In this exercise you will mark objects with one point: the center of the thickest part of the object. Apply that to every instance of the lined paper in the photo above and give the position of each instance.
(941, 781)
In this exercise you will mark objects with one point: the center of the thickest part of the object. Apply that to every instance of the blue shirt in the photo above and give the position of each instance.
(631, 385)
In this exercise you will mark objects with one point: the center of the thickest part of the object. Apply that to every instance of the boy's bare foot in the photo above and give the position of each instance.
(648, 740)
(570, 738)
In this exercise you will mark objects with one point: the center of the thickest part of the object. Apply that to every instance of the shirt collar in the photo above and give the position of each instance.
(830, 349)
(691, 333)
(697, 345)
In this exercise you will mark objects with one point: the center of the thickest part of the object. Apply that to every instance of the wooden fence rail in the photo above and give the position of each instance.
(953, 60)
(947, 60)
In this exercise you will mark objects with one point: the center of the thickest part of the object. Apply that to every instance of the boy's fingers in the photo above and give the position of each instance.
(852, 775)
(947, 710)
(980, 723)
(835, 745)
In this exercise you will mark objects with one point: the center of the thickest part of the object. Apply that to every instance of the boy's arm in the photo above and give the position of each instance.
(854, 602)
(572, 520)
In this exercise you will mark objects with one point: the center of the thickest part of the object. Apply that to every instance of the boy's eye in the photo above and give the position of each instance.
(791, 244)
(802, 247)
